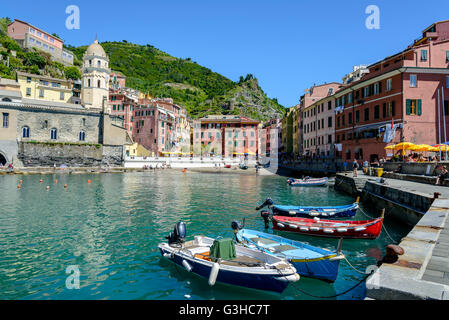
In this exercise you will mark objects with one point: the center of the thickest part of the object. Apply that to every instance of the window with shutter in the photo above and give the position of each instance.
(419, 107)
(408, 106)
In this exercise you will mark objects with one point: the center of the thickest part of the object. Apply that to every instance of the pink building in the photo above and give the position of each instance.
(225, 135)
(29, 36)
(122, 104)
(161, 126)
(400, 92)
(117, 81)
(270, 134)
(317, 120)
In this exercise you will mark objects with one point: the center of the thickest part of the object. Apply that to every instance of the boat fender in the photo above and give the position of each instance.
(187, 265)
(314, 229)
(292, 213)
(328, 231)
(304, 229)
(214, 274)
(317, 219)
(314, 213)
(168, 255)
(280, 225)
(360, 229)
(293, 226)
(342, 229)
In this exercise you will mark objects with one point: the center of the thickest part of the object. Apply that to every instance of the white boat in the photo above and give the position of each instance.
(247, 268)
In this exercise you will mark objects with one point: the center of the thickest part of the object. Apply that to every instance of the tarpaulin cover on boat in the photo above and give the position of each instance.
(223, 249)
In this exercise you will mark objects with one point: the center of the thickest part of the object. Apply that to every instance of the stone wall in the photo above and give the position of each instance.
(68, 125)
(414, 167)
(113, 155)
(409, 207)
(46, 155)
(71, 155)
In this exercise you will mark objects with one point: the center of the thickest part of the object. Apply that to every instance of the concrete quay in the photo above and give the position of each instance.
(423, 271)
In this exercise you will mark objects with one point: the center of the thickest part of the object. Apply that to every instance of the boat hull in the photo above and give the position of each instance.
(274, 282)
(369, 230)
(324, 265)
(312, 212)
(308, 183)
(326, 270)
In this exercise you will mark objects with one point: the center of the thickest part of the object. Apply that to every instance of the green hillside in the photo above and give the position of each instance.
(198, 88)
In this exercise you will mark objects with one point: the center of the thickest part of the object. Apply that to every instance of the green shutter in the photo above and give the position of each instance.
(419, 107)
(409, 107)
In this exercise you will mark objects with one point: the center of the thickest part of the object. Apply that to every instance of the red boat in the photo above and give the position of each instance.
(369, 229)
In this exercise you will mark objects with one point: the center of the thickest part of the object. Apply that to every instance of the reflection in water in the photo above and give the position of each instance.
(110, 228)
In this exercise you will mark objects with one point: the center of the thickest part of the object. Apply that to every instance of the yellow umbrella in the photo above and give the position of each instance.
(390, 147)
(442, 148)
(421, 148)
(404, 146)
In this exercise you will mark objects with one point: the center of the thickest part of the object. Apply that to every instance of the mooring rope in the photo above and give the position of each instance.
(333, 296)
(383, 225)
(353, 266)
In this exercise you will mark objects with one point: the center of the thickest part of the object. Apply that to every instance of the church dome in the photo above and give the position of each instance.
(95, 49)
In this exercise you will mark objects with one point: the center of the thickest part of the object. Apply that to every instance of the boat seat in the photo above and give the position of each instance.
(198, 249)
(263, 241)
(204, 256)
(243, 261)
(283, 248)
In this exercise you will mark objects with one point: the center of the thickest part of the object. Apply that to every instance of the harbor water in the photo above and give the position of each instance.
(109, 230)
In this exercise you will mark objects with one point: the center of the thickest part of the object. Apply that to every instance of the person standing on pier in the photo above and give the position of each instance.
(355, 167)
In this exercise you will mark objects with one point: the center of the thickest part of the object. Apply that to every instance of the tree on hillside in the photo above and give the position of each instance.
(4, 22)
(33, 58)
(72, 73)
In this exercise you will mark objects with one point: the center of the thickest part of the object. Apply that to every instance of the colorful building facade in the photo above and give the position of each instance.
(45, 88)
(317, 120)
(225, 135)
(401, 99)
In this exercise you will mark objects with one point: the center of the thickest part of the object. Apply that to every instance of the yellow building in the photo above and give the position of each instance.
(44, 88)
(136, 150)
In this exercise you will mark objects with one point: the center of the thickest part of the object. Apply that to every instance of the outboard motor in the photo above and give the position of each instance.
(290, 181)
(266, 216)
(178, 235)
(236, 226)
(267, 202)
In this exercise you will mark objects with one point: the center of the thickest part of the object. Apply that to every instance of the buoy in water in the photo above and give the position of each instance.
(19, 186)
(20, 181)
(41, 180)
(88, 181)
(56, 181)
(48, 188)
(65, 186)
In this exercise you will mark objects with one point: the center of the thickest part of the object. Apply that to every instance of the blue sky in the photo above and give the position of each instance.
(287, 44)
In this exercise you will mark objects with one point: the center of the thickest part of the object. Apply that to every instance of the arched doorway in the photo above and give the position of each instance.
(3, 160)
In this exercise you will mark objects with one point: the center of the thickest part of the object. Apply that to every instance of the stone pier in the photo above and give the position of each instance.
(423, 271)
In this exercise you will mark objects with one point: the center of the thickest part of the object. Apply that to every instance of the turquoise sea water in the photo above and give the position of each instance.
(110, 230)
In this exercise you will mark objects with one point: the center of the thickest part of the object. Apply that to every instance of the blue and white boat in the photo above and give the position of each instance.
(311, 212)
(309, 261)
(249, 268)
(308, 182)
